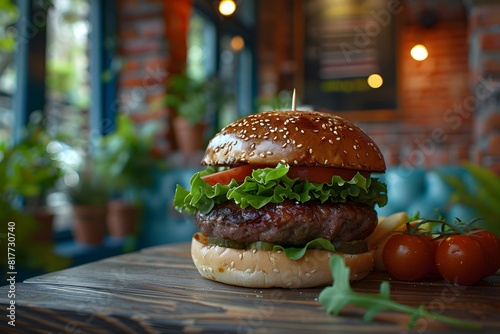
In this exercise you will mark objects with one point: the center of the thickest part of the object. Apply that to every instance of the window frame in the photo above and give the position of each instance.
(30, 64)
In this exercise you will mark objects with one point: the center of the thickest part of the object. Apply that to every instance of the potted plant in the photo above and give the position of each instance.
(124, 157)
(28, 170)
(193, 101)
(89, 200)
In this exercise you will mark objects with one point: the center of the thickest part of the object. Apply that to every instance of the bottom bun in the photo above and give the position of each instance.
(266, 269)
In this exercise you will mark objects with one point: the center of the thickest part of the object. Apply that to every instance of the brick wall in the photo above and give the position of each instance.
(143, 51)
(436, 114)
(434, 123)
(484, 40)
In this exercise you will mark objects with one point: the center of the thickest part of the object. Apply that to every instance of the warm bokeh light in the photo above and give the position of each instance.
(237, 43)
(419, 52)
(227, 7)
(375, 81)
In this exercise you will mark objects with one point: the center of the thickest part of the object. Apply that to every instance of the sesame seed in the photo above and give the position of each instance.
(276, 270)
(330, 141)
(299, 146)
(262, 155)
(310, 151)
(326, 161)
(338, 138)
(240, 256)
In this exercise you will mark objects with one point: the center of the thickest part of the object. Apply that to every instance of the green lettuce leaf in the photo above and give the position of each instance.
(294, 253)
(272, 185)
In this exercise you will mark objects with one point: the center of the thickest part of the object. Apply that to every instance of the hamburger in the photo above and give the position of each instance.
(281, 192)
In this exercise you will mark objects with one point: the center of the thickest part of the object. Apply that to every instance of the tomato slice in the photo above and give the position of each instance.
(312, 174)
(224, 177)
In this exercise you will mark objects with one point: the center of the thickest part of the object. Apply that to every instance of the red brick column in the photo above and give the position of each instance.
(484, 59)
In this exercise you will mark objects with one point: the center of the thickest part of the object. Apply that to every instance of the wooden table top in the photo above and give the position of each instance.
(158, 290)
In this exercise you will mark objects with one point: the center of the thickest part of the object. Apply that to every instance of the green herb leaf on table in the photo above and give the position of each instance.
(336, 297)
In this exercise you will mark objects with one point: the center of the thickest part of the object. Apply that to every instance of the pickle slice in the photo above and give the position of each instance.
(261, 245)
(351, 247)
(215, 241)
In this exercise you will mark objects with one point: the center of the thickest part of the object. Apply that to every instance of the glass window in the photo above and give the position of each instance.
(67, 80)
(8, 17)
(201, 47)
(236, 72)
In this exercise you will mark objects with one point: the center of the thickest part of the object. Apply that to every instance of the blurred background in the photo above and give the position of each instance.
(106, 105)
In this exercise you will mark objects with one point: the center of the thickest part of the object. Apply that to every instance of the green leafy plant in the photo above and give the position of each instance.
(28, 170)
(336, 297)
(8, 15)
(124, 157)
(90, 191)
(482, 195)
(280, 101)
(191, 98)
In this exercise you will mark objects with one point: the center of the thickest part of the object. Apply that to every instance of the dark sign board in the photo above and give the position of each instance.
(350, 54)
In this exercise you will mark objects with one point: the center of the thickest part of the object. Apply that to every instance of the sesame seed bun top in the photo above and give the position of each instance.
(296, 138)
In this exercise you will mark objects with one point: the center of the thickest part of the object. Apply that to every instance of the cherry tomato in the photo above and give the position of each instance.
(491, 245)
(408, 257)
(461, 260)
(225, 176)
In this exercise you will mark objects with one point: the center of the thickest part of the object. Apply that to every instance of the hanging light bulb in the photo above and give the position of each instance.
(227, 7)
(419, 52)
(375, 81)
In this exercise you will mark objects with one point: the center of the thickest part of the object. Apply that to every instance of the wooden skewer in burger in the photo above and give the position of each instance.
(282, 191)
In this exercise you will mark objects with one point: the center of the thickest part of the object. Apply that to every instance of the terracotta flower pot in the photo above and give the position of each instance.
(89, 224)
(189, 137)
(122, 218)
(45, 221)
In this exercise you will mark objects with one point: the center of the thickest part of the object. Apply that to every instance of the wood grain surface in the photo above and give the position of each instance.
(158, 290)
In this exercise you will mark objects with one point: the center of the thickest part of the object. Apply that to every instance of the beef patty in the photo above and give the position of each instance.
(289, 223)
